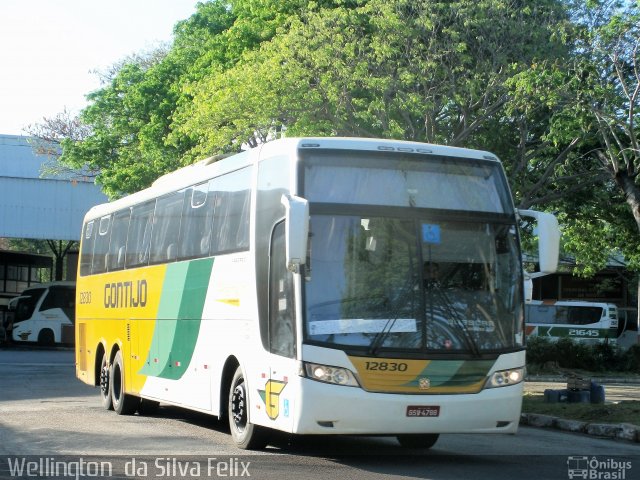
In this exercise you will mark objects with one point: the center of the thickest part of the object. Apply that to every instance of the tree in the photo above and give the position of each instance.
(416, 70)
(551, 86)
(131, 117)
(59, 249)
(128, 119)
(516, 78)
(242, 71)
(593, 99)
(46, 138)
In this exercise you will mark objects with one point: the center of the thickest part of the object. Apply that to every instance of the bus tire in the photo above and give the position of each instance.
(420, 440)
(246, 435)
(105, 383)
(123, 404)
(46, 337)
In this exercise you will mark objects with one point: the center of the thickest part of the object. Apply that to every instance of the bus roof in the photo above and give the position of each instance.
(211, 167)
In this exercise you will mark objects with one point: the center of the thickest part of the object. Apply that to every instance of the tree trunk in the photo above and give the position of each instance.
(632, 197)
(631, 194)
(60, 250)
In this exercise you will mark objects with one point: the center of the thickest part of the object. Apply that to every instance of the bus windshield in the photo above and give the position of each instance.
(26, 304)
(408, 283)
(411, 253)
(435, 183)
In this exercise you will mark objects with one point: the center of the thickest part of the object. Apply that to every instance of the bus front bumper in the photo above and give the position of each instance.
(333, 409)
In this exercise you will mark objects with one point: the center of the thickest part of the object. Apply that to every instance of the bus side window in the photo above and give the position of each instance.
(282, 330)
(231, 211)
(27, 305)
(562, 314)
(540, 314)
(166, 227)
(197, 219)
(58, 297)
(86, 254)
(582, 315)
(139, 238)
(118, 243)
(101, 247)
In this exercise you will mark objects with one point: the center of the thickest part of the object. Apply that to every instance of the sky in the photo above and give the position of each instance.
(49, 49)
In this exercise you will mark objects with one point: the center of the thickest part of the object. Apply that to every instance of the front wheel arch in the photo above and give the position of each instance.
(229, 369)
(46, 337)
(245, 434)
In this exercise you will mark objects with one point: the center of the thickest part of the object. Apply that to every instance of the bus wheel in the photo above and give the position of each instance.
(421, 440)
(123, 403)
(245, 434)
(105, 384)
(45, 337)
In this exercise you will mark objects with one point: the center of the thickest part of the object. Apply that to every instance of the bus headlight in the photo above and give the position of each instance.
(505, 378)
(329, 374)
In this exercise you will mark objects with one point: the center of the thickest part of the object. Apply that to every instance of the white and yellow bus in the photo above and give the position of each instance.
(314, 286)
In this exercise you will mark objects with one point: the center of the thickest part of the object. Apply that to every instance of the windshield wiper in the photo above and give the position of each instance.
(382, 335)
(450, 312)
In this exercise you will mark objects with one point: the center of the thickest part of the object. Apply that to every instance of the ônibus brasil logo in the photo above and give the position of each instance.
(593, 468)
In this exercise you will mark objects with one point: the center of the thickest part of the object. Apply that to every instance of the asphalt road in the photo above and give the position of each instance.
(49, 416)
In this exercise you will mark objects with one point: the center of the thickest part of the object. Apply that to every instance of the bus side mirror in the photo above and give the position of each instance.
(548, 240)
(296, 231)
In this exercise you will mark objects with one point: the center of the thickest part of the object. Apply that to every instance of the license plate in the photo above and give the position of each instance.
(423, 411)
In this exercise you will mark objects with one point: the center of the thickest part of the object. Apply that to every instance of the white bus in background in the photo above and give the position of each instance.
(44, 314)
(586, 322)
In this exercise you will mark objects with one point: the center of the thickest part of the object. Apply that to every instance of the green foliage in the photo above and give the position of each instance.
(426, 70)
(243, 71)
(591, 105)
(131, 116)
(545, 84)
(39, 247)
(632, 359)
(565, 353)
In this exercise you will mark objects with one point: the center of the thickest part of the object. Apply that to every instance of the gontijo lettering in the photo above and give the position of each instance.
(125, 294)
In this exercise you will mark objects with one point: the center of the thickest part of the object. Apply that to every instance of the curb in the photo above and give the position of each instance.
(602, 380)
(622, 431)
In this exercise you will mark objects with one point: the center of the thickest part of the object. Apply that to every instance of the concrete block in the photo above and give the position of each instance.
(628, 432)
(571, 425)
(604, 430)
(536, 420)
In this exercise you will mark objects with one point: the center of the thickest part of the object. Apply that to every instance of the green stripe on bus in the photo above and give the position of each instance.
(453, 373)
(179, 315)
(165, 326)
(188, 327)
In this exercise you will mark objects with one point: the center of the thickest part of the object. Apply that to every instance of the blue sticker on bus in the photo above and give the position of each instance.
(431, 233)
